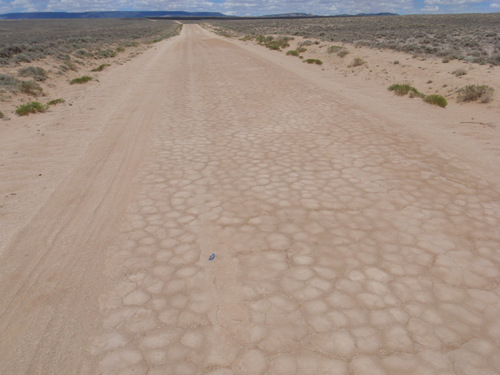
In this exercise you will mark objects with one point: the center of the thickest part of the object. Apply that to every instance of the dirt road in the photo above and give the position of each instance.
(344, 243)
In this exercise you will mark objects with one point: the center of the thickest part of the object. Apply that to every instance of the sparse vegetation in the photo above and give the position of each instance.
(1, 115)
(35, 72)
(30, 88)
(405, 89)
(56, 101)
(8, 83)
(314, 61)
(292, 52)
(469, 37)
(436, 100)
(459, 72)
(31, 107)
(339, 50)
(357, 61)
(475, 93)
(80, 80)
(100, 68)
(276, 44)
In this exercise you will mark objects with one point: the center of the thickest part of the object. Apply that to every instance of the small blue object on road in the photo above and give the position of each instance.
(211, 257)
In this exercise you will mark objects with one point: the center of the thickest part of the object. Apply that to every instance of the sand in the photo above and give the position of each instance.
(354, 232)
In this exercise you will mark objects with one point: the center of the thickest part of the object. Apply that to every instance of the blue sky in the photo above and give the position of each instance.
(258, 7)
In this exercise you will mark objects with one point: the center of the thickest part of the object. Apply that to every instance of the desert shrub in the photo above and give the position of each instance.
(1, 115)
(459, 72)
(120, 49)
(83, 53)
(56, 101)
(306, 43)
(314, 61)
(31, 107)
(395, 62)
(106, 53)
(35, 72)
(494, 59)
(475, 93)
(69, 66)
(404, 89)
(100, 68)
(339, 50)
(343, 53)
(436, 100)
(22, 57)
(80, 80)
(357, 61)
(301, 49)
(8, 82)
(292, 52)
(276, 44)
(30, 88)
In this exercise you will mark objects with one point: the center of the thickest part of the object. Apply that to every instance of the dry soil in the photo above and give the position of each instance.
(354, 232)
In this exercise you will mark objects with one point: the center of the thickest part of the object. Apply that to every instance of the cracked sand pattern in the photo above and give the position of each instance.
(342, 246)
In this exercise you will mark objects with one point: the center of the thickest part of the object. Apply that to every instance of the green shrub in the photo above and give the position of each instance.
(31, 107)
(30, 88)
(278, 44)
(56, 101)
(100, 68)
(80, 80)
(301, 49)
(35, 72)
(400, 89)
(292, 53)
(120, 49)
(357, 61)
(1, 115)
(436, 100)
(314, 61)
(475, 93)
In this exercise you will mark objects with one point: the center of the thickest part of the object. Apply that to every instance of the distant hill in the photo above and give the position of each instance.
(375, 14)
(115, 14)
(289, 15)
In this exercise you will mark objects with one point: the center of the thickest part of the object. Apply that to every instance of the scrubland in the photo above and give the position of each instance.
(36, 54)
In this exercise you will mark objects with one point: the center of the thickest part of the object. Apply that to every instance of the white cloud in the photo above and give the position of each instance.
(495, 5)
(429, 8)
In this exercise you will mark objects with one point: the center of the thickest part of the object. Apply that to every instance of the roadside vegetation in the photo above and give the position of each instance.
(469, 37)
(80, 80)
(405, 89)
(100, 68)
(31, 107)
(25, 41)
(475, 93)
(32, 52)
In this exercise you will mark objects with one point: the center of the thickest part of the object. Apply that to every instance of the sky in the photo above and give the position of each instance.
(258, 7)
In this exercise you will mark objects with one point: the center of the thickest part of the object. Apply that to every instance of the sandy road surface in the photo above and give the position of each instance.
(343, 244)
